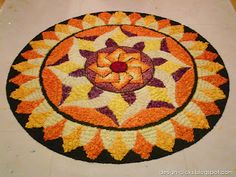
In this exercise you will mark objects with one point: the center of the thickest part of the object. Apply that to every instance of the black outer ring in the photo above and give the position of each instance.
(105, 157)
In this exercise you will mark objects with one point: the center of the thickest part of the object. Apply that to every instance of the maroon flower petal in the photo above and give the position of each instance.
(164, 46)
(139, 46)
(105, 110)
(62, 60)
(156, 83)
(111, 43)
(179, 73)
(65, 92)
(86, 53)
(78, 73)
(94, 92)
(159, 104)
(129, 97)
(158, 61)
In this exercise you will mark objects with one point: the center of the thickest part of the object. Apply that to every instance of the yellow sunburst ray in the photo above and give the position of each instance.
(118, 149)
(24, 66)
(119, 18)
(209, 66)
(37, 120)
(53, 119)
(71, 136)
(91, 21)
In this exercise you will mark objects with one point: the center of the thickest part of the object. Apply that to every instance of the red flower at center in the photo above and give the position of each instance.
(119, 67)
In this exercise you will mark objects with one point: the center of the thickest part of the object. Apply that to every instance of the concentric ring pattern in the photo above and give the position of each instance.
(118, 87)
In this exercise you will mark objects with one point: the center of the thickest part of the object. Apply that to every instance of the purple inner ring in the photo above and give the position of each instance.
(147, 75)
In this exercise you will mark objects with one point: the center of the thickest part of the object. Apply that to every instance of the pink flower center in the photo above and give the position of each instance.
(119, 67)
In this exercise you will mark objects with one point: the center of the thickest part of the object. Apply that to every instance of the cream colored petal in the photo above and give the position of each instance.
(117, 35)
(98, 102)
(165, 55)
(61, 35)
(74, 54)
(193, 107)
(53, 119)
(167, 127)
(169, 82)
(130, 42)
(182, 119)
(68, 80)
(108, 137)
(36, 61)
(32, 72)
(69, 127)
(87, 134)
(150, 134)
(36, 95)
(34, 83)
(141, 102)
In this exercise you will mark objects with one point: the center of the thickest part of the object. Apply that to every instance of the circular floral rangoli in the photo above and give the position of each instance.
(118, 87)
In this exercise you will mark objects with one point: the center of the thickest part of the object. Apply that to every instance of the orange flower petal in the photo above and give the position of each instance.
(61, 50)
(136, 74)
(89, 115)
(76, 23)
(163, 23)
(134, 17)
(94, 147)
(26, 107)
(183, 132)
(21, 79)
(140, 31)
(102, 61)
(207, 55)
(147, 116)
(189, 37)
(208, 108)
(124, 57)
(185, 83)
(52, 85)
(136, 63)
(176, 50)
(101, 71)
(110, 78)
(31, 54)
(54, 132)
(51, 35)
(216, 79)
(142, 147)
(105, 16)
(123, 81)
(114, 56)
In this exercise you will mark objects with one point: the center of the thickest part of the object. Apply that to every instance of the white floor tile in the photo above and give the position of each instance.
(62, 166)
(21, 156)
